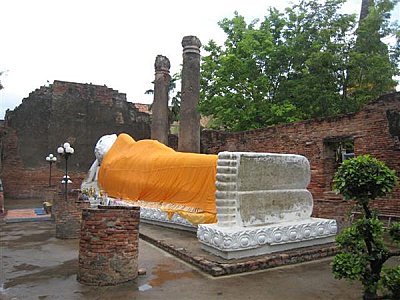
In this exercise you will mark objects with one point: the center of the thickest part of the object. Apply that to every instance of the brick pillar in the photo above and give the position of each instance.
(68, 214)
(160, 122)
(108, 248)
(189, 127)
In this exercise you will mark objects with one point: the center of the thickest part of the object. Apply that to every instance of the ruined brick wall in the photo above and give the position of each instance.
(20, 181)
(82, 113)
(63, 111)
(374, 130)
(31, 120)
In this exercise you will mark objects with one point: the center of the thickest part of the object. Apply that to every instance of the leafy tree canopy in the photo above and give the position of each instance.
(303, 63)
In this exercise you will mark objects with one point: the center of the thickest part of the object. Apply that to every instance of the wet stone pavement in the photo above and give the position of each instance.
(36, 265)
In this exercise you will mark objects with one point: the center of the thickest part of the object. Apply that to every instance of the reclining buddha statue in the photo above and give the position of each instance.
(244, 203)
(156, 176)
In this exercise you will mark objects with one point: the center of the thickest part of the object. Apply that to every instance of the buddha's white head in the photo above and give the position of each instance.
(103, 145)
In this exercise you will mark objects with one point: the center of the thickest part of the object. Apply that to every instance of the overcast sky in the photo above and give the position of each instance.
(111, 42)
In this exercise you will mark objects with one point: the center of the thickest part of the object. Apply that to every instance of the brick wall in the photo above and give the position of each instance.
(63, 111)
(108, 247)
(20, 181)
(374, 130)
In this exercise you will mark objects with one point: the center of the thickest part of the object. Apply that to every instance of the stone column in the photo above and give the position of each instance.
(160, 122)
(108, 248)
(189, 127)
(68, 214)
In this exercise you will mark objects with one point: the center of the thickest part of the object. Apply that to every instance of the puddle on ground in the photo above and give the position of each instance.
(67, 268)
(165, 272)
(144, 287)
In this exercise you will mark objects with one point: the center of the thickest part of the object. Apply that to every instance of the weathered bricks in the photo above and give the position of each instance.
(22, 182)
(67, 214)
(108, 248)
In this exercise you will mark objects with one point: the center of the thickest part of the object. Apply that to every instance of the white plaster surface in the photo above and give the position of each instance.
(274, 206)
(271, 171)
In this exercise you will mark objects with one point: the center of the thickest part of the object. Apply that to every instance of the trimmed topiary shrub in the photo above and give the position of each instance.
(362, 251)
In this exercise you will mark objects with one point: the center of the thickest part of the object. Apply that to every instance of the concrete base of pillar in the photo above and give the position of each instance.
(239, 242)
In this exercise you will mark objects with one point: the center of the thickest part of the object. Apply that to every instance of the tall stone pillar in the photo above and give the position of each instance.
(189, 127)
(160, 123)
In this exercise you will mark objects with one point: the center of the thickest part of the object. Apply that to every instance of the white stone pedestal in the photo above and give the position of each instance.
(263, 206)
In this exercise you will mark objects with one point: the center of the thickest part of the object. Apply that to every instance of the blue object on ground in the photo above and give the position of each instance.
(39, 211)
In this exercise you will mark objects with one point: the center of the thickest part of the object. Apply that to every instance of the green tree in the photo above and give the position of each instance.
(362, 251)
(291, 66)
(372, 64)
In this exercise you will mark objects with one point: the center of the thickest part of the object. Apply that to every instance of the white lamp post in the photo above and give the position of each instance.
(66, 151)
(50, 159)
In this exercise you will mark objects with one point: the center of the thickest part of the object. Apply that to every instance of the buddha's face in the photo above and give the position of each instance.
(103, 145)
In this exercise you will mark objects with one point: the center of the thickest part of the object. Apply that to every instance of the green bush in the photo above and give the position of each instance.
(362, 251)
(394, 232)
(363, 178)
(391, 281)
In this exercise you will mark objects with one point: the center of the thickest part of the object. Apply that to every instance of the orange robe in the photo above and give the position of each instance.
(149, 171)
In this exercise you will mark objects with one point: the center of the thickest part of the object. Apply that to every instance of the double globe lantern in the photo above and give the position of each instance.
(66, 151)
(50, 159)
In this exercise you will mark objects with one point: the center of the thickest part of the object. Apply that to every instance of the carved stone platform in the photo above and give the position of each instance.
(263, 206)
(238, 242)
(159, 217)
